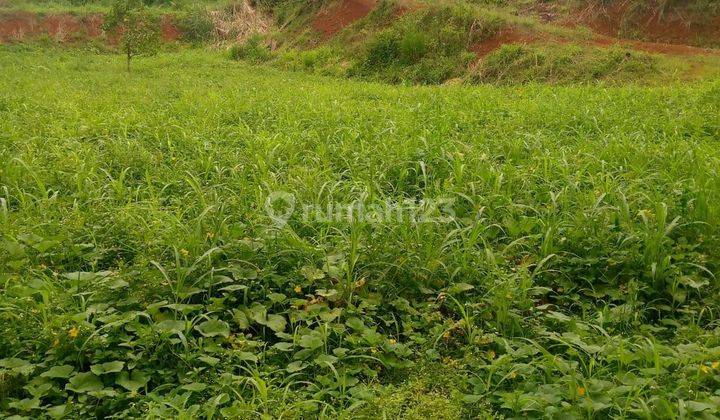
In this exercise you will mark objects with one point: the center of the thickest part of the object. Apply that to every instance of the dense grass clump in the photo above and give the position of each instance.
(181, 242)
(557, 64)
(429, 46)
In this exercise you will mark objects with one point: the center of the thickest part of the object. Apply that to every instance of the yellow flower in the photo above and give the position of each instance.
(715, 365)
(704, 369)
(491, 354)
(393, 341)
(298, 289)
(184, 252)
(210, 235)
(581, 391)
(513, 375)
(73, 332)
(360, 283)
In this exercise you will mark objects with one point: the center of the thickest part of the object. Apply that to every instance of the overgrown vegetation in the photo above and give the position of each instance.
(520, 64)
(138, 30)
(429, 46)
(565, 265)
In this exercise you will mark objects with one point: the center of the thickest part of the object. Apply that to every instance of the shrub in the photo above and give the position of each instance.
(429, 46)
(253, 50)
(196, 25)
(413, 46)
(573, 64)
(140, 31)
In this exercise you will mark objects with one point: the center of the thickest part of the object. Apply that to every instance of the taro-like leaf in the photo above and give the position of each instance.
(459, 288)
(184, 308)
(27, 404)
(241, 319)
(109, 367)
(194, 387)
(84, 382)
(63, 371)
(247, 356)
(57, 411)
(132, 381)
(694, 282)
(312, 273)
(283, 346)
(325, 359)
(214, 328)
(19, 366)
(356, 324)
(171, 326)
(276, 323)
(233, 288)
(295, 366)
(276, 297)
(310, 341)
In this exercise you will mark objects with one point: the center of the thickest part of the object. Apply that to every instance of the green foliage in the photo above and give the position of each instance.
(139, 30)
(141, 275)
(429, 46)
(253, 50)
(196, 24)
(572, 64)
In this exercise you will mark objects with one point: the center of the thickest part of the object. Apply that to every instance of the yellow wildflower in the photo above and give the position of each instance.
(513, 375)
(704, 369)
(298, 289)
(184, 252)
(393, 341)
(73, 332)
(581, 391)
(715, 365)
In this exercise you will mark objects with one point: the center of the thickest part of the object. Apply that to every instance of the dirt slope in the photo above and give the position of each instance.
(63, 27)
(333, 19)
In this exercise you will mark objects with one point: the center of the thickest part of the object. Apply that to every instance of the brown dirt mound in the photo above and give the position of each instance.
(23, 26)
(512, 35)
(673, 27)
(505, 36)
(653, 47)
(333, 19)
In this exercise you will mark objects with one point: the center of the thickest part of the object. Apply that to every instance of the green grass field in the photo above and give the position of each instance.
(562, 262)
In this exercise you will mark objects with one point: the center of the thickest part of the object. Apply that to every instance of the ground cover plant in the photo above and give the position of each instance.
(550, 251)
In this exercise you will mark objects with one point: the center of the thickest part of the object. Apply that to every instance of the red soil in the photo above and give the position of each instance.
(333, 19)
(506, 36)
(169, 31)
(514, 36)
(671, 28)
(20, 26)
(653, 47)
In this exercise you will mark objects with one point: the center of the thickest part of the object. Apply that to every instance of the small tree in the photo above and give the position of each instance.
(139, 31)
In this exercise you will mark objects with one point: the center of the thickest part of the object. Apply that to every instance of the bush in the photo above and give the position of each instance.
(426, 47)
(413, 46)
(253, 50)
(573, 64)
(196, 25)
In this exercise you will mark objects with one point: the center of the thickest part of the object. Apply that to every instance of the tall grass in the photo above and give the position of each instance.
(142, 276)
